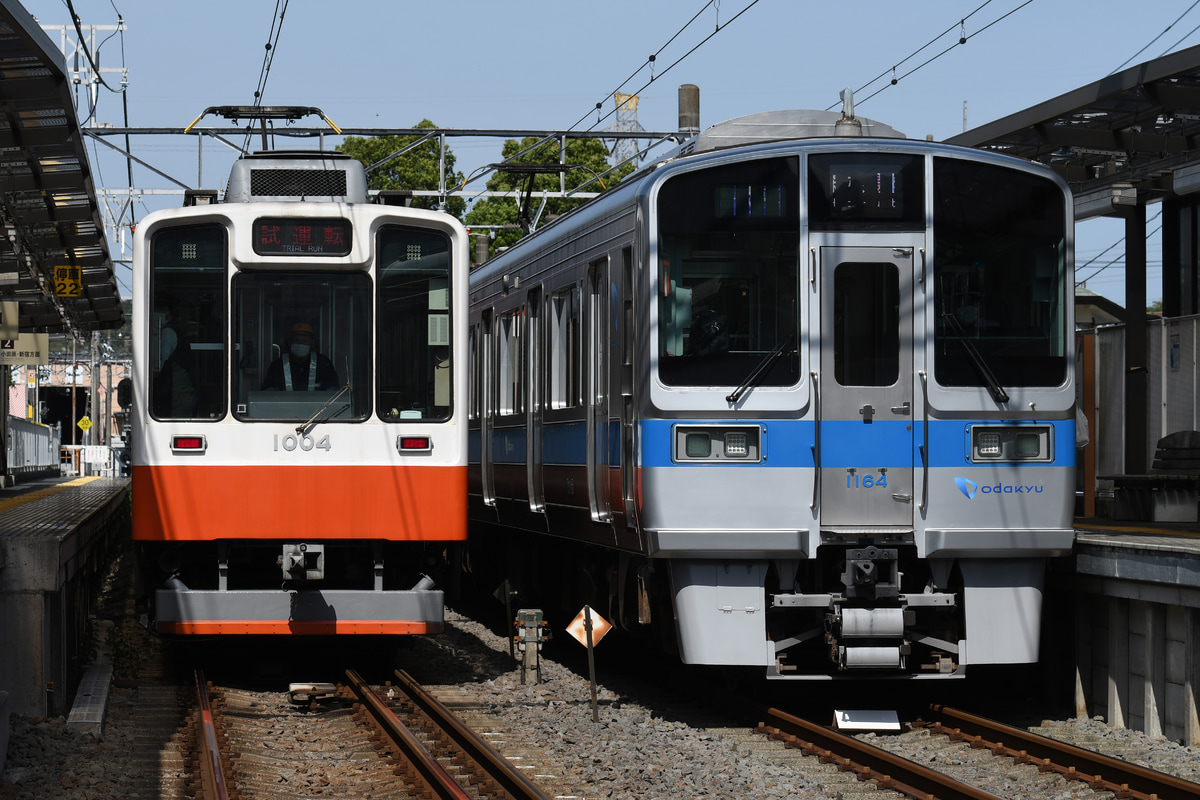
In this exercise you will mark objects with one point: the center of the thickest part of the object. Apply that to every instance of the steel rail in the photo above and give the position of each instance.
(478, 750)
(1101, 772)
(887, 770)
(212, 776)
(435, 777)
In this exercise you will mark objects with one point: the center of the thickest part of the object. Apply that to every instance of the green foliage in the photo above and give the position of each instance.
(416, 169)
(590, 153)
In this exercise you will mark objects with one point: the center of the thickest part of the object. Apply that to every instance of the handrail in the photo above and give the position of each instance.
(816, 440)
(924, 440)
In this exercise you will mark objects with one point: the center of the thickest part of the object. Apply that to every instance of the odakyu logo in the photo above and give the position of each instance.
(971, 488)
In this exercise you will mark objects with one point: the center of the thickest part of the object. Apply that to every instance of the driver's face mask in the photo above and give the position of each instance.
(300, 350)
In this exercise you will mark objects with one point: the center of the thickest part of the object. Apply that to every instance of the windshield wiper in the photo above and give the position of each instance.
(759, 371)
(989, 380)
(314, 420)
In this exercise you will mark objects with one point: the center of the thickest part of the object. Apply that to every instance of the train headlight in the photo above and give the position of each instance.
(735, 445)
(1011, 443)
(714, 443)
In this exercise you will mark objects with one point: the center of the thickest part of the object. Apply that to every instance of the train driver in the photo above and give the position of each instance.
(300, 367)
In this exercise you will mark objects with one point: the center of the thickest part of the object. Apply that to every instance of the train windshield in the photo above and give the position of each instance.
(728, 291)
(413, 370)
(998, 269)
(302, 345)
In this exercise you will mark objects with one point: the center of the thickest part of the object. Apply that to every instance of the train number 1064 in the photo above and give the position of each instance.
(291, 442)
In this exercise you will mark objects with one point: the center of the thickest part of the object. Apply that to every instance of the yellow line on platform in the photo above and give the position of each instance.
(20, 500)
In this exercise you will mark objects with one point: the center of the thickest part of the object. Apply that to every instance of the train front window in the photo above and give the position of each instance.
(186, 350)
(999, 263)
(728, 285)
(414, 370)
(302, 346)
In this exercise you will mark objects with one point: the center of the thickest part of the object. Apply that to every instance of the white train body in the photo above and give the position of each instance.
(265, 504)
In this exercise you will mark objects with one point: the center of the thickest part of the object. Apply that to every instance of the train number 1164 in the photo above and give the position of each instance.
(856, 481)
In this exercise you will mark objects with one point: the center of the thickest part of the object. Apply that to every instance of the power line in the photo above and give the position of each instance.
(268, 59)
(1156, 38)
(963, 38)
(719, 27)
(892, 71)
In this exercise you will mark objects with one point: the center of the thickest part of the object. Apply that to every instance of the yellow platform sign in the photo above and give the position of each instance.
(68, 281)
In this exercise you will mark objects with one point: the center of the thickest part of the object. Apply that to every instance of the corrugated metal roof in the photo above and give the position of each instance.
(49, 215)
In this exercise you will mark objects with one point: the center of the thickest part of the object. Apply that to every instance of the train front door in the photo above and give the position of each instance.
(866, 385)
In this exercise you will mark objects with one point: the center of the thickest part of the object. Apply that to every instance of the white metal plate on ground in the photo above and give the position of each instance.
(866, 720)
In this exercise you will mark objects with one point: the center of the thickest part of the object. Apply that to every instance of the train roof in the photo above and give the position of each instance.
(785, 125)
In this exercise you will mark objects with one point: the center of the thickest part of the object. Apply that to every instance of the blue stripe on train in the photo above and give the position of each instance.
(786, 443)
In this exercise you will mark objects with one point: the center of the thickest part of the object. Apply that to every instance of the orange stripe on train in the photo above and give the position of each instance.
(202, 503)
(297, 628)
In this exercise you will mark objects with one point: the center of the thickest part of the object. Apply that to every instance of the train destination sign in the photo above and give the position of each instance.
(302, 236)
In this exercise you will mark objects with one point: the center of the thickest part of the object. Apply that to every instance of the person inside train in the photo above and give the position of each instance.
(300, 367)
(174, 394)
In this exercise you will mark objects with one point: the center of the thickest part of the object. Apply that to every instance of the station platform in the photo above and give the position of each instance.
(56, 537)
(1136, 598)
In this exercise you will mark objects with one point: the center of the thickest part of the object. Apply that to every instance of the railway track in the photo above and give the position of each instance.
(891, 765)
(351, 740)
(1100, 772)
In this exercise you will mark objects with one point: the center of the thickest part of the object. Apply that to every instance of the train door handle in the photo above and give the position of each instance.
(868, 412)
(903, 498)
(903, 410)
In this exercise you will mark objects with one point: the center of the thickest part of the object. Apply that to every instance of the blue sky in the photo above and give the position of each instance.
(545, 65)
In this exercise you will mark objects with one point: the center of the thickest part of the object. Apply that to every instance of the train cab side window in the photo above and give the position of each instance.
(187, 323)
(413, 366)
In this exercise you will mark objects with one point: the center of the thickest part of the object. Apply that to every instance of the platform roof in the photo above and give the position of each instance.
(49, 215)
(1128, 139)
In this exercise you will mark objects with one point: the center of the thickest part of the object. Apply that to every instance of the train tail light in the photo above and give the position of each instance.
(188, 445)
(413, 444)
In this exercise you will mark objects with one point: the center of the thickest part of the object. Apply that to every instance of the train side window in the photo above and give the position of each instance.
(566, 379)
(413, 362)
(187, 324)
(473, 365)
(512, 397)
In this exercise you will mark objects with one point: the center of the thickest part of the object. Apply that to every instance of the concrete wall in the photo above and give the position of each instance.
(48, 582)
(1138, 646)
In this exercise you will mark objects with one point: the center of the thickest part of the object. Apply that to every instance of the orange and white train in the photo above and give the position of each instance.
(299, 429)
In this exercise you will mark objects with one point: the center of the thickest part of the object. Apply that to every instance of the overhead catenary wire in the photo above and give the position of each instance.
(87, 53)
(264, 72)
(918, 51)
(1126, 62)
(650, 62)
(963, 38)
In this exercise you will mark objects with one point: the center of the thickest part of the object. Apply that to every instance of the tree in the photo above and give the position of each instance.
(591, 154)
(416, 169)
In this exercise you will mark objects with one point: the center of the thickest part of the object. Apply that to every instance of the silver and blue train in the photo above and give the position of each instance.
(790, 399)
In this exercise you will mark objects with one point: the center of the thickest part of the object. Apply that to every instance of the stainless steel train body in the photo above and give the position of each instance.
(805, 405)
(299, 441)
